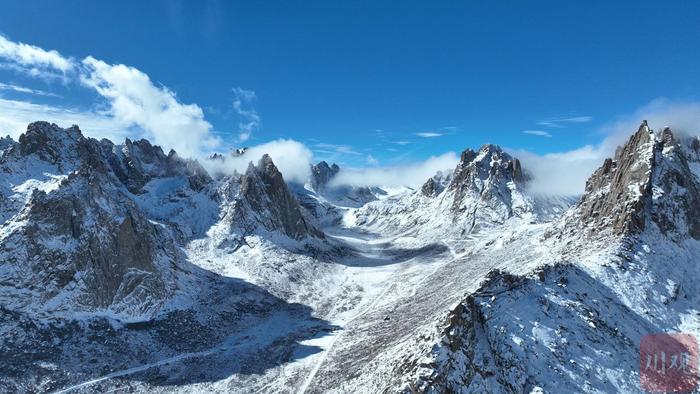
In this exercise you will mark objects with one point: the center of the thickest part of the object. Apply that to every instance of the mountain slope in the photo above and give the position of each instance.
(623, 264)
(74, 236)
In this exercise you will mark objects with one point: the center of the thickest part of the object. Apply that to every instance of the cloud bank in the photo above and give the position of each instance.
(291, 157)
(22, 89)
(412, 175)
(16, 115)
(565, 173)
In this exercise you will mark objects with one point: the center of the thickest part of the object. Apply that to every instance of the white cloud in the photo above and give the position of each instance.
(22, 89)
(33, 60)
(680, 116)
(16, 115)
(291, 157)
(243, 106)
(412, 175)
(562, 173)
(429, 134)
(402, 143)
(371, 160)
(135, 101)
(537, 133)
(561, 123)
(565, 173)
(335, 148)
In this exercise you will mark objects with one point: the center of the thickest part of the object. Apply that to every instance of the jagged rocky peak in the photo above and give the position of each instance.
(263, 188)
(490, 175)
(135, 163)
(216, 156)
(143, 151)
(81, 243)
(322, 173)
(652, 179)
(50, 142)
(436, 184)
(111, 247)
(5, 143)
(237, 152)
(490, 162)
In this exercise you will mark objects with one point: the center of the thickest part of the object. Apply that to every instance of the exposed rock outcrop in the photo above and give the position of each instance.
(490, 175)
(264, 190)
(49, 142)
(81, 234)
(321, 174)
(435, 185)
(136, 163)
(5, 144)
(650, 179)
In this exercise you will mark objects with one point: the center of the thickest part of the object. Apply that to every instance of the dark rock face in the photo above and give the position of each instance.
(624, 194)
(87, 238)
(617, 193)
(136, 163)
(321, 174)
(429, 188)
(5, 144)
(49, 142)
(263, 188)
(676, 189)
(114, 256)
(435, 185)
(486, 175)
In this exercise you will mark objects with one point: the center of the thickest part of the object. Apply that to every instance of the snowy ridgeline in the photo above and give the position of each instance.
(126, 268)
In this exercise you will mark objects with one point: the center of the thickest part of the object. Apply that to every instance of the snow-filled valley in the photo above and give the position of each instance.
(128, 270)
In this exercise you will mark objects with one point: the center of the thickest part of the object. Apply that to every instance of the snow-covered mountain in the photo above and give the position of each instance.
(124, 268)
(94, 237)
(620, 265)
(487, 188)
(99, 224)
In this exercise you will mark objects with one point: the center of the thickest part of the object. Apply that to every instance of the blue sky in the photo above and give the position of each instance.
(370, 83)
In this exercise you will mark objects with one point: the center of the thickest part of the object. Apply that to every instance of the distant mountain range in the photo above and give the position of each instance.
(126, 268)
